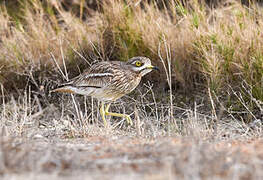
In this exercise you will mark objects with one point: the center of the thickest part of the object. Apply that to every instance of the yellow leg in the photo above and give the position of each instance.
(102, 113)
(107, 113)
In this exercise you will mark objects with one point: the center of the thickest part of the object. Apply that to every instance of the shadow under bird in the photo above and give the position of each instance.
(108, 81)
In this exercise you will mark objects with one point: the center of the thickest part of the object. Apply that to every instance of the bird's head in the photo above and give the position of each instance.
(141, 65)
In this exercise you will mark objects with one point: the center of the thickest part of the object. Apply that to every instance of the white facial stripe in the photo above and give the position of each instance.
(98, 75)
(140, 68)
(145, 71)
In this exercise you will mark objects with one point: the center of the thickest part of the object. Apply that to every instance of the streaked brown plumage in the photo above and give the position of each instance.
(109, 81)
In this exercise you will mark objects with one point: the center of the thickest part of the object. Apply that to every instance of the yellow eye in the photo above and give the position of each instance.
(138, 63)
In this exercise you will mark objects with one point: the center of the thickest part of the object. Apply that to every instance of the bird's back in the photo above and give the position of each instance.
(107, 81)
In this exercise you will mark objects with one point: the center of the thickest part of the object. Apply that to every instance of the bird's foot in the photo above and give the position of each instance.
(129, 120)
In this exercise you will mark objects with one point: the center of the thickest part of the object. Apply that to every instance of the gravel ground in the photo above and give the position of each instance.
(123, 157)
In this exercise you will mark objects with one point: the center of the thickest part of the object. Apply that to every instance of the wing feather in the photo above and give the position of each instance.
(98, 75)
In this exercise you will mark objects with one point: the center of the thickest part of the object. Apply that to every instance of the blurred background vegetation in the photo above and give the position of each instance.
(214, 48)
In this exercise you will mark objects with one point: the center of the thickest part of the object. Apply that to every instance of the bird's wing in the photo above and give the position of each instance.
(98, 76)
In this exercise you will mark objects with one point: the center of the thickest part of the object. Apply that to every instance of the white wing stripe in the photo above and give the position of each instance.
(98, 75)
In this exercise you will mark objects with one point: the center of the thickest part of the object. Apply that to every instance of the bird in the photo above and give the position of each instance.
(108, 81)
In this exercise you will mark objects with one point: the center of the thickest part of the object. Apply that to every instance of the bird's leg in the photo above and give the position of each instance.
(102, 113)
(107, 113)
(107, 108)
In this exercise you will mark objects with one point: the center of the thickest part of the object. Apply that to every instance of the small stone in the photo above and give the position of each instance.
(38, 136)
(4, 131)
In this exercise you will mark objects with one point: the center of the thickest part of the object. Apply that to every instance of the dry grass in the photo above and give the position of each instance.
(200, 118)
(70, 142)
(209, 49)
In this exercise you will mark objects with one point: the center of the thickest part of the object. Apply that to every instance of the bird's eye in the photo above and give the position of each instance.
(138, 63)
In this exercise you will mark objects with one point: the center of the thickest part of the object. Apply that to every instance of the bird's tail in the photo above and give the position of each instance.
(65, 89)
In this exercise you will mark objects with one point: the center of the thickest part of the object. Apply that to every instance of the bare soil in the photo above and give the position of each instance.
(124, 157)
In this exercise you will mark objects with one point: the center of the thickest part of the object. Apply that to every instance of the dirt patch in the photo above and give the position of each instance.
(119, 157)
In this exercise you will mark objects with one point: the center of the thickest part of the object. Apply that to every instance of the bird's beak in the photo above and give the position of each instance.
(153, 67)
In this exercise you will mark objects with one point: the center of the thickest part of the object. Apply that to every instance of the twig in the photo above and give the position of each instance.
(63, 60)
(60, 70)
(3, 99)
(213, 111)
(82, 57)
(96, 50)
(168, 73)
(241, 100)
